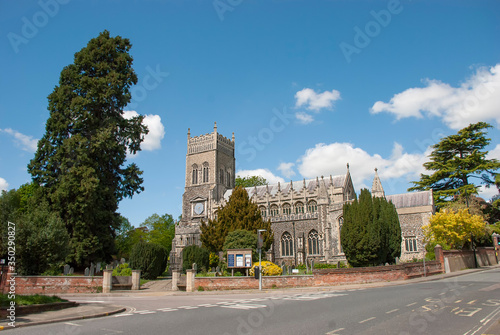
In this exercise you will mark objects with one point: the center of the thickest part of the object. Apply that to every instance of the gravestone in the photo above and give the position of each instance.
(71, 271)
(122, 261)
(66, 269)
(195, 267)
(109, 267)
(92, 269)
(87, 271)
(312, 264)
(217, 269)
(98, 267)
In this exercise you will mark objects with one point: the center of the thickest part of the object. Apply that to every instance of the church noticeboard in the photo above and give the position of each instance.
(239, 258)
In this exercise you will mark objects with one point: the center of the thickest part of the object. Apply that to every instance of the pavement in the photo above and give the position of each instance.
(95, 310)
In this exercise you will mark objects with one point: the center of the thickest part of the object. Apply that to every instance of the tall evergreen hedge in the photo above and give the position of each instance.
(150, 258)
(195, 254)
(371, 233)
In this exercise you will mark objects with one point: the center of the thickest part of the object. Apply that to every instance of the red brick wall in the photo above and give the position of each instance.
(50, 285)
(323, 277)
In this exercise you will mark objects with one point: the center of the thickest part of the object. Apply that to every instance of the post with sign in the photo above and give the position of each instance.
(260, 242)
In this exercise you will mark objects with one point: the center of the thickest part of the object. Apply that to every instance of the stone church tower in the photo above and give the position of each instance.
(210, 172)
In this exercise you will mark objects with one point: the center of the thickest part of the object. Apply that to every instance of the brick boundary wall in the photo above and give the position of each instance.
(50, 285)
(457, 260)
(323, 277)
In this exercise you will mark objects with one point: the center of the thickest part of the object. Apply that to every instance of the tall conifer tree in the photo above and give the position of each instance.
(371, 234)
(80, 159)
(454, 161)
(239, 213)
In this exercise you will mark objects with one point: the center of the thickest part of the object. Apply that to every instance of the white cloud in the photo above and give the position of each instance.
(476, 99)
(316, 101)
(152, 140)
(487, 193)
(265, 173)
(331, 159)
(287, 169)
(495, 153)
(304, 118)
(4, 185)
(27, 143)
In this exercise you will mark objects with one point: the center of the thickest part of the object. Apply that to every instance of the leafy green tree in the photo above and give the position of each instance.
(80, 160)
(250, 181)
(456, 159)
(239, 213)
(241, 239)
(371, 233)
(161, 230)
(41, 241)
(195, 254)
(150, 258)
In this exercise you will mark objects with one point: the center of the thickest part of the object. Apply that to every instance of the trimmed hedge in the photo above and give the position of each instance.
(195, 254)
(150, 258)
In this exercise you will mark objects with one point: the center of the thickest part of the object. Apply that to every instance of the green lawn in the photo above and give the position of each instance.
(24, 300)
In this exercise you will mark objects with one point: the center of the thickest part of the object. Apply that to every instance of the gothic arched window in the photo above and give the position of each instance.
(286, 244)
(194, 179)
(221, 176)
(299, 207)
(205, 172)
(287, 209)
(274, 210)
(312, 206)
(263, 211)
(313, 242)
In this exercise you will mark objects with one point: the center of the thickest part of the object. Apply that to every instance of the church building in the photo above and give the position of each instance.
(306, 216)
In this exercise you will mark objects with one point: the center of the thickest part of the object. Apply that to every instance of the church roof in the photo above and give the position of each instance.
(413, 199)
(310, 184)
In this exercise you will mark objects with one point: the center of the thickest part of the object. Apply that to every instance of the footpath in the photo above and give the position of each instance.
(97, 309)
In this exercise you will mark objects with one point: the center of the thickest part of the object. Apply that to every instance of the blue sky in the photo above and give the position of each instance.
(306, 86)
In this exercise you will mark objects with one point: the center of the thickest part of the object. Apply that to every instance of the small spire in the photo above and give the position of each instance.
(233, 136)
(347, 166)
(279, 187)
(215, 127)
(291, 185)
(377, 189)
(189, 132)
(304, 182)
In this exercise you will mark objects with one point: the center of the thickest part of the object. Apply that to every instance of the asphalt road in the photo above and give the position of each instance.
(466, 304)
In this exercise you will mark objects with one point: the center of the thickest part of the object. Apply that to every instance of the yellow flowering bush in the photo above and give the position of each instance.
(268, 269)
(453, 229)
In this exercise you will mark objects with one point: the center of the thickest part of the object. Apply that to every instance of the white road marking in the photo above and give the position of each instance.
(126, 314)
(72, 324)
(146, 312)
(413, 303)
(207, 305)
(366, 320)
(166, 309)
(333, 332)
(188, 307)
(394, 310)
(244, 306)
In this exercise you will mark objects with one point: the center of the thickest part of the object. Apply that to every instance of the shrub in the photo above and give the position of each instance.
(195, 254)
(268, 269)
(150, 258)
(122, 270)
